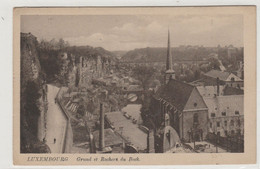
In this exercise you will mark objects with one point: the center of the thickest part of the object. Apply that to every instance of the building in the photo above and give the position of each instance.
(225, 78)
(231, 51)
(180, 105)
(211, 91)
(226, 115)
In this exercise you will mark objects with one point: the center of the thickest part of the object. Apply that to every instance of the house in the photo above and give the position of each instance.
(225, 78)
(226, 115)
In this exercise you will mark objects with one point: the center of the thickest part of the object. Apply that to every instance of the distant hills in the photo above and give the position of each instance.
(181, 53)
(89, 51)
(119, 53)
(159, 54)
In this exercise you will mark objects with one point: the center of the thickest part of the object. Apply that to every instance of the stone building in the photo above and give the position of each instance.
(226, 115)
(180, 105)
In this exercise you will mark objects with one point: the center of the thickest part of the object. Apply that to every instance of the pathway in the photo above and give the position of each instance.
(56, 122)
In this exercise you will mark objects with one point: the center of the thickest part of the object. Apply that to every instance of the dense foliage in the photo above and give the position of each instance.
(144, 74)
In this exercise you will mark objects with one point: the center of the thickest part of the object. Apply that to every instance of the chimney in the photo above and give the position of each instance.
(217, 86)
(92, 144)
(101, 130)
(150, 141)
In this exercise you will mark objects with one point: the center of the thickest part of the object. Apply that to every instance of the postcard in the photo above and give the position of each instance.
(134, 85)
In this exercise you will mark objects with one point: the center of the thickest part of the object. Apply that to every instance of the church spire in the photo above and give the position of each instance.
(169, 73)
(169, 54)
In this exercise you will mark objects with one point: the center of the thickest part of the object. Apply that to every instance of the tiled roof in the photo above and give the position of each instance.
(210, 91)
(229, 104)
(233, 91)
(218, 74)
(175, 92)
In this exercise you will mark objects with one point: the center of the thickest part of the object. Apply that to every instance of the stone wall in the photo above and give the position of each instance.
(195, 128)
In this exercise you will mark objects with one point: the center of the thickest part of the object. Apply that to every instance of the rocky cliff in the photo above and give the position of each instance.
(31, 100)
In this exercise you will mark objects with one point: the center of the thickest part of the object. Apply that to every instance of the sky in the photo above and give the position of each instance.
(127, 32)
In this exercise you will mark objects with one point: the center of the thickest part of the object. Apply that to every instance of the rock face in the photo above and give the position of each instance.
(92, 68)
(69, 66)
(31, 98)
(30, 65)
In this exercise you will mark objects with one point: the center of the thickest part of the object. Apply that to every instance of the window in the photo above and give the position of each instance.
(213, 115)
(218, 124)
(195, 104)
(238, 122)
(226, 133)
(232, 132)
(232, 79)
(218, 133)
(195, 118)
(224, 114)
(225, 122)
(236, 112)
(232, 123)
(238, 131)
(210, 124)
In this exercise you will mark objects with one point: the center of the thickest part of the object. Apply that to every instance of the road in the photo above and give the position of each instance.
(210, 148)
(56, 122)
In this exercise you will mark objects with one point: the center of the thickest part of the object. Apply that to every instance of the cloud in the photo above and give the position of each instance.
(107, 41)
(185, 30)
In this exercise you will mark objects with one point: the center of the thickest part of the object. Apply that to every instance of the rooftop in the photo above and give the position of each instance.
(210, 91)
(233, 91)
(175, 92)
(229, 104)
(218, 74)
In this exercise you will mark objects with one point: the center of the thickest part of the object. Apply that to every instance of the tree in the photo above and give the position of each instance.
(144, 74)
(214, 64)
(81, 110)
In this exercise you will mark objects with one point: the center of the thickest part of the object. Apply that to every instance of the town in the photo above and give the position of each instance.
(186, 99)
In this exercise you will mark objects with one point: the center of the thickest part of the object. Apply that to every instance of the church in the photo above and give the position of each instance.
(180, 105)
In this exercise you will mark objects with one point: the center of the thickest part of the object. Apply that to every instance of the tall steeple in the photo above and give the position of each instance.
(169, 73)
(169, 54)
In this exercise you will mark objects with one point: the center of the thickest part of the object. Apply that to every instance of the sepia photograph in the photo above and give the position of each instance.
(133, 83)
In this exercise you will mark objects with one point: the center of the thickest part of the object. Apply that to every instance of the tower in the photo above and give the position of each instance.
(169, 73)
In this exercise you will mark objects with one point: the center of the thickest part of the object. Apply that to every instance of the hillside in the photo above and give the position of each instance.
(91, 52)
(119, 54)
(159, 54)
